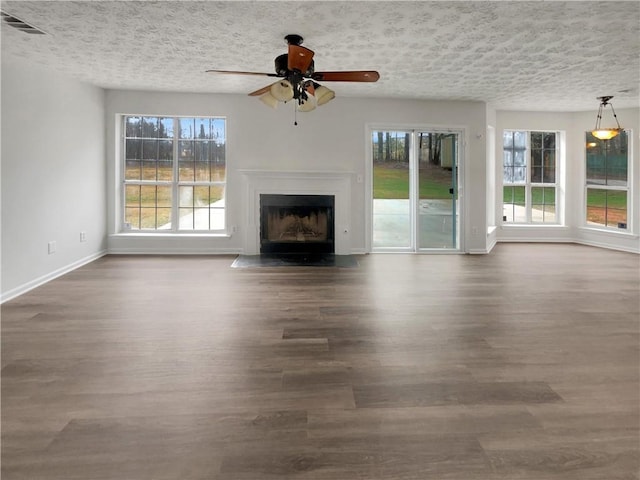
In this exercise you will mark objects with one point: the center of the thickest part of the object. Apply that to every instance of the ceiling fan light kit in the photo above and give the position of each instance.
(606, 133)
(307, 105)
(299, 79)
(324, 95)
(269, 100)
(282, 90)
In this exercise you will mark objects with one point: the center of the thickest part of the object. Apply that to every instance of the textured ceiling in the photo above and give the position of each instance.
(538, 55)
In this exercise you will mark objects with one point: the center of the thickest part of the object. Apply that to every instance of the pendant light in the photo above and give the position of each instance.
(605, 133)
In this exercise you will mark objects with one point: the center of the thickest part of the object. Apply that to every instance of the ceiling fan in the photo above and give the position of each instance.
(299, 80)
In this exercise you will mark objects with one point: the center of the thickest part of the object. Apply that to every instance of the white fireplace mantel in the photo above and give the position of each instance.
(257, 182)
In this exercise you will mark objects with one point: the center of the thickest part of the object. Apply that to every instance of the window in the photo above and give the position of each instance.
(529, 177)
(606, 181)
(174, 173)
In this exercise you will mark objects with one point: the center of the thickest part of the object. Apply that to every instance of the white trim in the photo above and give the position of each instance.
(613, 232)
(559, 184)
(478, 251)
(590, 243)
(176, 183)
(174, 251)
(608, 246)
(536, 240)
(628, 188)
(461, 202)
(493, 241)
(608, 238)
(15, 292)
(160, 234)
(297, 182)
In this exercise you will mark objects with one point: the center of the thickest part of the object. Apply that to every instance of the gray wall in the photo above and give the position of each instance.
(60, 156)
(332, 138)
(53, 175)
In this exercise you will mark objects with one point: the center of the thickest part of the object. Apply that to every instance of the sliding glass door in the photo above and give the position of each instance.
(392, 178)
(437, 190)
(415, 190)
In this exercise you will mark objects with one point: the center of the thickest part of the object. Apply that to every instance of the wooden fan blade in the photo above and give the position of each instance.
(236, 72)
(299, 58)
(260, 91)
(353, 76)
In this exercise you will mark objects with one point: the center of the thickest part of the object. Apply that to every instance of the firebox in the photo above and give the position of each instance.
(297, 224)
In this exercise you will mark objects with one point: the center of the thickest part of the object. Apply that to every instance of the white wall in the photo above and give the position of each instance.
(53, 175)
(492, 179)
(57, 180)
(330, 139)
(574, 125)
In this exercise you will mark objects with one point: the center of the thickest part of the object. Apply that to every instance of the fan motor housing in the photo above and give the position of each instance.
(282, 66)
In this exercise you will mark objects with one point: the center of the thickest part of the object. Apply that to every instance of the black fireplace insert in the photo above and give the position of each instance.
(297, 224)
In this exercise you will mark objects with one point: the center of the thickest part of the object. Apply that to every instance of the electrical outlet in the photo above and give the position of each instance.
(359, 178)
(51, 246)
(83, 236)
(474, 230)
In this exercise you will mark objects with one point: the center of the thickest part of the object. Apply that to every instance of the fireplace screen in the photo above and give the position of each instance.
(296, 224)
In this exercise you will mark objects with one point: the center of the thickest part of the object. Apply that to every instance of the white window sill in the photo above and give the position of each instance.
(171, 234)
(507, 226)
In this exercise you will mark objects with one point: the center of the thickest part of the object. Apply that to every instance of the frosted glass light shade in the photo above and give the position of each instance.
(282, 90)
(605, 133)
(308, 105)
(324, 95)
(269, 100)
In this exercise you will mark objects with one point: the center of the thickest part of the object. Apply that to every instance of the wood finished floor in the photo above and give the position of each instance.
(522, 364)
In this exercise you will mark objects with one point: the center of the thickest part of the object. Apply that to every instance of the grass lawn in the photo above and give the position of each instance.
(149, 206)
(393, 183)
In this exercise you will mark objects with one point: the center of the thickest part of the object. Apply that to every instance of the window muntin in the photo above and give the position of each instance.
(175, 173)
(514, 205)
(529, 177)
(543, 157)
(606, 179)
(515, 165)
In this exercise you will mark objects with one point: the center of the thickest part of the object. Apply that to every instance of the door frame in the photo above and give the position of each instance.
(461, 204)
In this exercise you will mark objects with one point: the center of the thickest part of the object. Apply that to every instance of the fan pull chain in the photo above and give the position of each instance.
(295, 114)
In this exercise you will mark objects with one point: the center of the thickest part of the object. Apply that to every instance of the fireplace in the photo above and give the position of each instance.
(297, 224)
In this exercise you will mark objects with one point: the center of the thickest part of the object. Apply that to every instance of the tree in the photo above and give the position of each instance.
(387, 156)
(407, 141)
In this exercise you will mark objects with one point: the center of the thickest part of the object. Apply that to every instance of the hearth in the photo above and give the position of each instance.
(297, 224)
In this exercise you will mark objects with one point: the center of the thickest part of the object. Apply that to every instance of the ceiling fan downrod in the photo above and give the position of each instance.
(293, 39)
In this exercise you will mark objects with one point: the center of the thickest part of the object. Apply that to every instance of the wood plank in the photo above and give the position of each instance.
(524, 363)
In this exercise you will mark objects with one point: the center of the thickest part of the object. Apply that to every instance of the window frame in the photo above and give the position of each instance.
(175, 183)
(627, 188)
(529, 185)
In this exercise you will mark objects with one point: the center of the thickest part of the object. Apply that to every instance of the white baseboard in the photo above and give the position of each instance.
(608, 246)
(591, 243)
(16, 292)
(536, 240)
